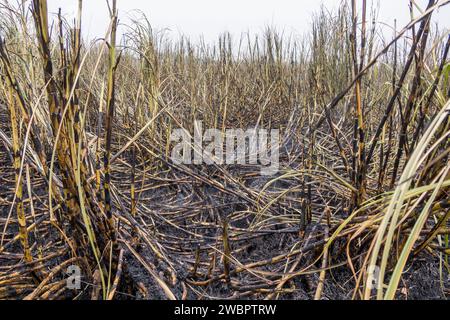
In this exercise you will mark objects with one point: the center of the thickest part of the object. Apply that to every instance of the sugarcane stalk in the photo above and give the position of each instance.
(110, 105)
(359, 117)
(21, 219)
(226, 251)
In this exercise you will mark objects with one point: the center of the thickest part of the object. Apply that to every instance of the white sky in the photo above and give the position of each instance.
(210, 18)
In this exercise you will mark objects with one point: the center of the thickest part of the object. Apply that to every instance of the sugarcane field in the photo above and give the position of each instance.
(224, 151)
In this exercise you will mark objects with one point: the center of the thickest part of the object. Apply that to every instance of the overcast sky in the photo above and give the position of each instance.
(210, 18)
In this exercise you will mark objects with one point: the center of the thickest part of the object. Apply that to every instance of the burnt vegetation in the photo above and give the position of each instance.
(358, 210)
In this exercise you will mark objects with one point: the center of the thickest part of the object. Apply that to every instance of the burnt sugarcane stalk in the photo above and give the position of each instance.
(110, 105)
(226, 251)
(359, 134)
(40, 14)
(21, 219)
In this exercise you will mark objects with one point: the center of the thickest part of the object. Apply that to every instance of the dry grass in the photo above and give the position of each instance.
(364, 178)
